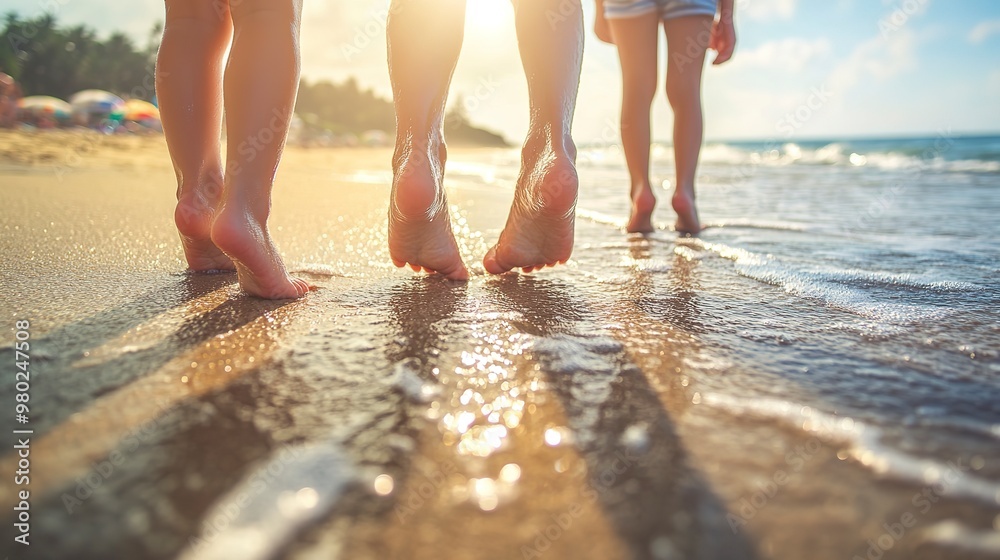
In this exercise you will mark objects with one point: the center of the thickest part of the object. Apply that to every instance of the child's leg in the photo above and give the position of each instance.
(189, 89)
(260, 85)
(425, 38)
(601, 26)
(684, 71)
(636, 38)
(539, 230)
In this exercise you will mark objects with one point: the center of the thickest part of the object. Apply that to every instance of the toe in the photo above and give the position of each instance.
(454, 271)
(492, 263)
(460, 273)
(301, 286)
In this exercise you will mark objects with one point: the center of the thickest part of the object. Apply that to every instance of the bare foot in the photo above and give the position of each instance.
(643, 204)
(540, 227)
(194, 214)
(244, 237)
(420, 232)
(687, 213)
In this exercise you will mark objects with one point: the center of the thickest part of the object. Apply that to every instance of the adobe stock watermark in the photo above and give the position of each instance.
(590, 492)
(695, 47)
(483, 92)
(750, 505)
(251, 146)
(564, 11)
(900, 15)
(249, 149)
(50, 7)
(228, 511)
(888, 195)
(815, 101)
(102, 471)
(787, 127)
(922, 502)
(372, 30)
(419, 149)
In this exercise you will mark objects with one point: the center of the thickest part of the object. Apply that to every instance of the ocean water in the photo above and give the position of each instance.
(888, 248)
(848, 290)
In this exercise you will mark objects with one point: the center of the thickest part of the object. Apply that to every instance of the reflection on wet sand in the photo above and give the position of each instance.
(670, 299)
(101, 352)
(480, 483)
(497, 419)
(420, 311)
(418, 325)
(139, 430)
(635, 461)
(370, 366)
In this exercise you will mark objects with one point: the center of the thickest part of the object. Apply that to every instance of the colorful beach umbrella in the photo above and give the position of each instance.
(139, 110)
(97, 101)
(45, 105)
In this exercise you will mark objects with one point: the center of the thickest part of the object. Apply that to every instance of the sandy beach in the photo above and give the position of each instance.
(614, 408)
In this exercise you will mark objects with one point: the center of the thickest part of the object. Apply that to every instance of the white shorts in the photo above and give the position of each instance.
(667, 9)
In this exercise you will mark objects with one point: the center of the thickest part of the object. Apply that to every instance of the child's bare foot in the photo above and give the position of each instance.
(687, 213)
(244, 237)
(540, 227)
(194, 214)
(643, 204)
(420, 232)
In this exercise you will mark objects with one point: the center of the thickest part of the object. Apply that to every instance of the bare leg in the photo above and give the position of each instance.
(601, 26)
(260, 86)
(425, 38)
(684, 93)
(539, 230)
(636, 38)
(189, 89)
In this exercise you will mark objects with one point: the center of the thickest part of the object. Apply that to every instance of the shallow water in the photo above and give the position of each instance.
(821, 362)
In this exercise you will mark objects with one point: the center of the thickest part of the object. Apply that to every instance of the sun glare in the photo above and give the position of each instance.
(489, 15)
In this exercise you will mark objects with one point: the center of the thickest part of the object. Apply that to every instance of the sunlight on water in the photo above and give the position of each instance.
(489, 398)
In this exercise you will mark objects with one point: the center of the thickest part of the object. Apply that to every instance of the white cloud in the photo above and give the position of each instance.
(878, 58)
(764, 10)
(981, 32)
(791, 54)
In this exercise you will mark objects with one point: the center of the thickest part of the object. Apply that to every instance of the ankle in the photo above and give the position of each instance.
(205, 184)
(550, 140)
(412, 144)
(684, 186)
(640, 187)
(418, 170)
(247, 204)
(643, 198)
(682, 193)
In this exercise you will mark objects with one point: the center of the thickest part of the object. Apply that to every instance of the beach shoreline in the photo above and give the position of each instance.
(656, 397)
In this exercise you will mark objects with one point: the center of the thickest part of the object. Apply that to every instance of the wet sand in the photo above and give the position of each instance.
(386, 415)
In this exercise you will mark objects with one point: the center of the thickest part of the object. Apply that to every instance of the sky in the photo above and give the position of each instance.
(802, 69)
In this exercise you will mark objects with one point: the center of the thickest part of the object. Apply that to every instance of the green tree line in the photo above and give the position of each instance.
(50, 60)
(47, 59)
